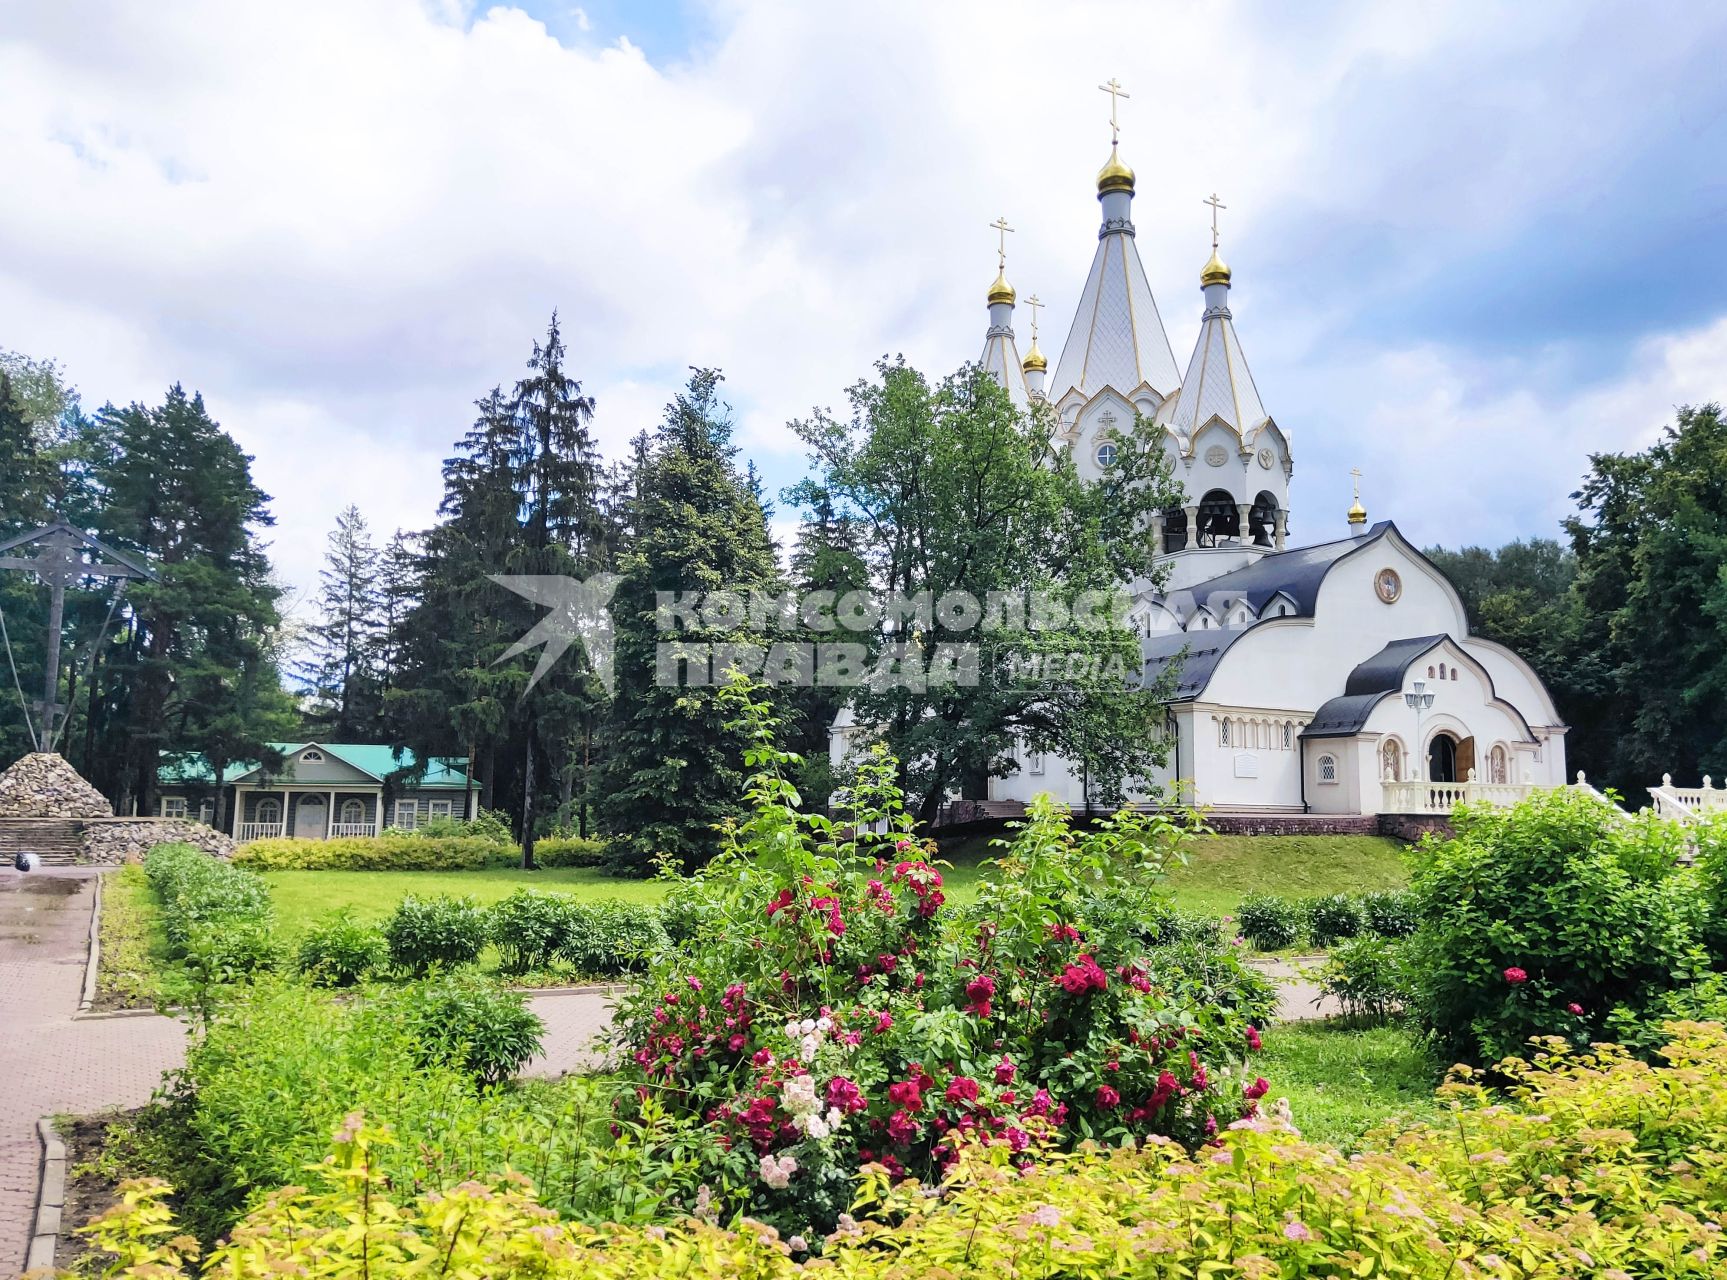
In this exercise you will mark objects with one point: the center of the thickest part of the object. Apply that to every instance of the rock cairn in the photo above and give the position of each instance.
(120, 840)
(45, 786)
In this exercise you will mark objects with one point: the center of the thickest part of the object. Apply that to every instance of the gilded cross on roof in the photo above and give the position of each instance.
(1113, 88)
(1034, 302)
(1215, 204)
(1001, 227)
(1356, 473)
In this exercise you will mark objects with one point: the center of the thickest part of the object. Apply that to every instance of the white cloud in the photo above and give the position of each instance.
(345, 222)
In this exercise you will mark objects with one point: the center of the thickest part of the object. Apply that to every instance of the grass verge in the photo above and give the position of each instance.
(1342, 1079)
(134, 949)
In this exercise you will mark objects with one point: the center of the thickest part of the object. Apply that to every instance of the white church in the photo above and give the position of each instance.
(1337, 678)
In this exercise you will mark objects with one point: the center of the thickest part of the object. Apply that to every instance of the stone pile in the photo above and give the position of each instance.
(43, 785)
(117, 840)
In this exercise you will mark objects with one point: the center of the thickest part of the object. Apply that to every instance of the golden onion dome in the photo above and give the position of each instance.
(1216, 271)
(1114, 176)
(1001, 290)
(1358, 513)
(1034, 361)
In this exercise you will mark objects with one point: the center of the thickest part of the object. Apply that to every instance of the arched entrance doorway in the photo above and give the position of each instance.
(1442, 758)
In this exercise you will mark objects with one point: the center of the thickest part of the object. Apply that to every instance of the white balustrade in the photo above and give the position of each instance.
(339, 830)
(259, 831)
(1417, 795)
(1687, 804)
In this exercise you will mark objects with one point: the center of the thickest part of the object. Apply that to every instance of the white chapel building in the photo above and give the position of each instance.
(1293, 662)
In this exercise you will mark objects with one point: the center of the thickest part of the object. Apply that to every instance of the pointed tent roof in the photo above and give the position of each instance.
(1117, 339)
(1218, 384)
(1001, 358)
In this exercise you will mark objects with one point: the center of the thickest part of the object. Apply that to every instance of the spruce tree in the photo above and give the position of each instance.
(344, 660)
(674, 762)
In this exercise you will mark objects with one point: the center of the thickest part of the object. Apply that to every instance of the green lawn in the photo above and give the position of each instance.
(1221, 870)
(301, 897)
(1343, 1080)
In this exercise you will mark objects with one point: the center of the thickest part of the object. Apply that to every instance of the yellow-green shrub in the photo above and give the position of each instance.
(398, 852)
(1596, 1165)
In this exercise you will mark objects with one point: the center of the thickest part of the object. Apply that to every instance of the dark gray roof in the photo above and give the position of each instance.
(1371, 680)
(1296, 574)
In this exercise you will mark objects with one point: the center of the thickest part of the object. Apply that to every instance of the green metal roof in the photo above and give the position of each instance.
(187, 768)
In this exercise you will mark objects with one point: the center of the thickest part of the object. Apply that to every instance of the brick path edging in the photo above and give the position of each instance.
(50, 1199)
(92, 958)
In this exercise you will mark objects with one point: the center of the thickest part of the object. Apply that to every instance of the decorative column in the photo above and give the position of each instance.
(1157, 533)
(330, 818)
(1192, 525)
(1280, 521)
(239, 811)
(1244, 531)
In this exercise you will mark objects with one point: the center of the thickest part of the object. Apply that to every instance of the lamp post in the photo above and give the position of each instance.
(1419, 698)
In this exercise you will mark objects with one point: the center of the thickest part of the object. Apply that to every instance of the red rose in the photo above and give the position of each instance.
(1253, 1038)
(904, 1093)
(1516, 976)
(1004, 1072)
(962, 1089)
(1107, 1097)
(1257, 1089)
(901, 1128)
(1575, 1008)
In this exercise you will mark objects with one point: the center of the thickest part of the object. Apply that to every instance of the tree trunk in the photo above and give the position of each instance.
(528, 801)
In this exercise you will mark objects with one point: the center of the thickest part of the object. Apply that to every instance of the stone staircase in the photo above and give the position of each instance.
(57, 841)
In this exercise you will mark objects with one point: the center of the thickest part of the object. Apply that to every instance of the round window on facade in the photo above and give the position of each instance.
(1106, 455)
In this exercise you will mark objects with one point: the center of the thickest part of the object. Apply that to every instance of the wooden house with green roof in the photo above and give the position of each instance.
(323, 790)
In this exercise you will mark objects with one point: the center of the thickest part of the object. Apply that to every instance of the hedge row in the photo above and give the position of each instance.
(1272, 923)
(406, 851)
(201, 894)
(531, 930)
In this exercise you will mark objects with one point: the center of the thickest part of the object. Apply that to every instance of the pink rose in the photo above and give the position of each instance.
(962, 1089)
(1004, 1072)
(1107, 1097)
(1516, 976)
(1575, 1008)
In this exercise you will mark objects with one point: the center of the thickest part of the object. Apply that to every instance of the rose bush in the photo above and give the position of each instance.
(832, 1013)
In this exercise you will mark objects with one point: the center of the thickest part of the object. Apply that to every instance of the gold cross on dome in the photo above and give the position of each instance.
(1034, 302)
(1001, 227)
(1215, 204)
(1114, 90)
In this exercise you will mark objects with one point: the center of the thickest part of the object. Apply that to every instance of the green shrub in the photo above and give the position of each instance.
(530, 929)
(1598, 1166)
(196, 889)
(1269, 923)
(392, 851)
(484, 1030)
(1390, 913)
(445, 932)
(569, 851)
(1332, 918)
(1710, 838)
(490, 825)
(1545, 917)
(1366, 976)
(610, 938)
(340, 951)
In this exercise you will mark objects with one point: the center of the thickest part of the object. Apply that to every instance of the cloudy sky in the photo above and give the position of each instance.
(1472, 243)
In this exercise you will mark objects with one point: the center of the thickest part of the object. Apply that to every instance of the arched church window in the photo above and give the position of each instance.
(1174, 529)
(1454, 673)
(1442, 671)
(1223, 730)
(1106, 455)
(1288, 736)
(1328, 768)
(1498, 765)
(1219, 518)
(1430, 672)
(1392, 756)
